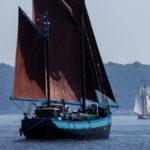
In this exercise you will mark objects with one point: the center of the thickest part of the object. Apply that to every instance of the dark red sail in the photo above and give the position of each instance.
(64, 53)
(66, 47)
(71, 13)
(73, 58)
(29, 69)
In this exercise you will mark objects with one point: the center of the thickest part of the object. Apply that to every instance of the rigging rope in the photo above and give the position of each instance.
(96, 66)
(92, 55)
(35, 125)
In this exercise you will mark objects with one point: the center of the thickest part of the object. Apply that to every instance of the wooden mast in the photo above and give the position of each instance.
(47, 65)
(83, 68)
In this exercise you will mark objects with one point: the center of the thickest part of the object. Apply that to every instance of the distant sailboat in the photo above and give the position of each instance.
(58, 65)
(142, 103)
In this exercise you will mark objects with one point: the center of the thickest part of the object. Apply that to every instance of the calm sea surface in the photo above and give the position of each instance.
(127, 133)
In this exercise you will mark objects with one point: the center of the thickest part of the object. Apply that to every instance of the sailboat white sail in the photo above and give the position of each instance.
(138, 108)
(148, 105)
(142, 103)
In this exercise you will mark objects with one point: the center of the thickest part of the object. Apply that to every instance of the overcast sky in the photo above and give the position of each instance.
(122, 29)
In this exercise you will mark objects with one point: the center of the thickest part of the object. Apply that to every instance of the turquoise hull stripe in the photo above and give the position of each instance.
(78, 125)
(58, 101)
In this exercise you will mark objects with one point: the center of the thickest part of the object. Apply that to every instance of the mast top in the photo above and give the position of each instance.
(46, 24)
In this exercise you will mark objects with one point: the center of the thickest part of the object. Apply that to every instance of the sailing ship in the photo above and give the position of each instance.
(59, 71)
(142, 103)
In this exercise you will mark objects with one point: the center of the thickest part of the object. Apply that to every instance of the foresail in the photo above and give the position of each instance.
(29, 69)
(102, 84)
(139, 106)
(148, 90)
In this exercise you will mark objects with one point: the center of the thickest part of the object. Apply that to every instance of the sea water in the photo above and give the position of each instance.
(127, 133)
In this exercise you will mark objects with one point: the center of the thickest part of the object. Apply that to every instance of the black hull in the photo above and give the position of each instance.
(140, 117)
(143, 117)
(46, 129)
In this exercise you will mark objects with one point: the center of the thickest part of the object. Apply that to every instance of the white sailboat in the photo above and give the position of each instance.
(142, 103)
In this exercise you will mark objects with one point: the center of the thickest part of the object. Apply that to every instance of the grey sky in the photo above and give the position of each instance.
(122, 29)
